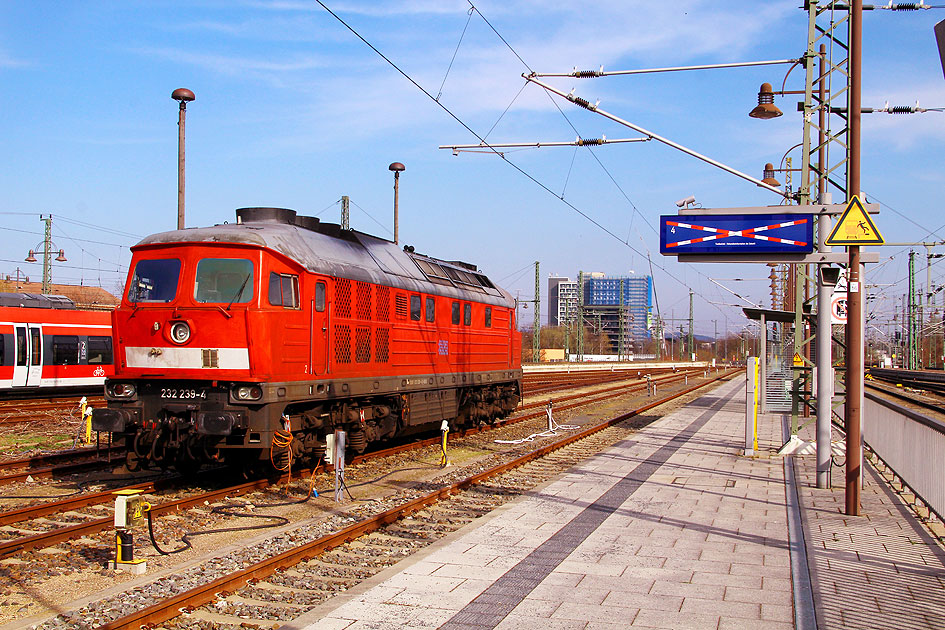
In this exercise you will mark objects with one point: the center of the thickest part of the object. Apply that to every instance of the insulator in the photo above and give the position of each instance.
(582, 102)
(907, 6)
(587, 74)
(902, 109)
(586, 142)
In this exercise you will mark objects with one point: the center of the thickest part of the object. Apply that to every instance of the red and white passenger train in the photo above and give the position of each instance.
(47, 345)
(232, 335)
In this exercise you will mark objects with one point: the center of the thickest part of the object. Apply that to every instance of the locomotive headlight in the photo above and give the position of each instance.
(247, 392)
(121, 390)
(180, 332)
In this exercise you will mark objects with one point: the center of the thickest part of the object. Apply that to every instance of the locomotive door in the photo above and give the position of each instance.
(319, 331)
(28, 362)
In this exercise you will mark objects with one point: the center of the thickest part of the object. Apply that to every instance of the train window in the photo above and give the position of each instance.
(2, 354)
(488, 317)
(226, 280)
(65, 350)
(21, 346)
(320, 296)
(284, 290)
(467, 314)
(431, 309)
(100, 350)
(36, 347)
(415, 308)
(456, 313)
(154, 280)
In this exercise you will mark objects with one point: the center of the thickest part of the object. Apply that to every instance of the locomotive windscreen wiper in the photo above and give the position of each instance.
(239, 293)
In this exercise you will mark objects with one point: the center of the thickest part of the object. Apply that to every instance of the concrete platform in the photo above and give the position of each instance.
(671, 528)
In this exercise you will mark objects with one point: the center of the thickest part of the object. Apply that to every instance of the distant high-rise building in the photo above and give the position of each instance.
(619, 307)
(562, 300)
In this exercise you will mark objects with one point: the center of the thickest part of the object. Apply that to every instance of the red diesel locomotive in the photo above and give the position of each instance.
(230, 338)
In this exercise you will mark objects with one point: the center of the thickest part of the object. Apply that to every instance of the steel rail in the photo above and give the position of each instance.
(52, 537)
(172, 607)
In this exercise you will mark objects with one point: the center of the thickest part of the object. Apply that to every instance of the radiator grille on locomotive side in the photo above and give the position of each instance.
(342, 343)
(363, 294)
(343, 297)
(362, 336)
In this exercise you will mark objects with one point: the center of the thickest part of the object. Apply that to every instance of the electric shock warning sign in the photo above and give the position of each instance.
(737, 234)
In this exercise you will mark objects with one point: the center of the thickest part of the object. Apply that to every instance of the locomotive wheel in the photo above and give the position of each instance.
(159, 449)
(134, 462)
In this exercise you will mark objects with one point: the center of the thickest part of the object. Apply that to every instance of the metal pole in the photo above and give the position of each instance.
(397, 168)
(396, 207)
(183, 96)
(825, 378)
(825, 375)
(181, 120)
(855, 281)
(47, 263)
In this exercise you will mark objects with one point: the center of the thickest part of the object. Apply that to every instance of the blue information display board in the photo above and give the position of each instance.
(737, 234)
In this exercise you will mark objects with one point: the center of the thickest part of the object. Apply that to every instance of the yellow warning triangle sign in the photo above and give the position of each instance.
(798, 360)
(855, 227)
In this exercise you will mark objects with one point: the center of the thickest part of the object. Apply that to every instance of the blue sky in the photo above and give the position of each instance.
(294, 110)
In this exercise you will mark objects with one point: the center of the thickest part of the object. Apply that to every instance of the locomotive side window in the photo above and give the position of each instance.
(320, 296)
(284, 290)
(226, 280)
(415, 308)
(431, 309)
(100, 350)
(455, 313)
(467, 314)
(65, 350)
(488, 317)
(154, 280)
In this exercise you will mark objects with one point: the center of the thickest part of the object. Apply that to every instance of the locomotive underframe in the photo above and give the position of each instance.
(189, 423)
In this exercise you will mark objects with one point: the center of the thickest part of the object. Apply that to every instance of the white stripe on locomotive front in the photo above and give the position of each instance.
(185, 358)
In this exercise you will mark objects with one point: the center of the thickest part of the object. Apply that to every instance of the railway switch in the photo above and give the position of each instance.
(129, 510)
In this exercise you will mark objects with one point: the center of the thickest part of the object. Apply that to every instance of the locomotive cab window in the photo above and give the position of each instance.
(431, 309)
(224, 280)
(154, 280)
(455, 314)
(284, 290)
(467, 314)
(415, 308)
(488, 317)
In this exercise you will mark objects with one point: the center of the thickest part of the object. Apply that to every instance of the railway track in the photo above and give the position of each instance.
(308, 563)
(55, 532)
(16, 411)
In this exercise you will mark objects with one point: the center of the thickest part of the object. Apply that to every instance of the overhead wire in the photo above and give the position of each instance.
(486, 145)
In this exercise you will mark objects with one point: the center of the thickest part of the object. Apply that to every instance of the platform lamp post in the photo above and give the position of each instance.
(47, 253)
(183, 96)
(397, 168)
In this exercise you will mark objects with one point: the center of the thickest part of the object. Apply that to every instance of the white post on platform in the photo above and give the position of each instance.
(752, 391)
